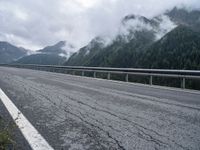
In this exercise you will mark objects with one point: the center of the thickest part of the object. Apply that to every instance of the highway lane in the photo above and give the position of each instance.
(84, 113)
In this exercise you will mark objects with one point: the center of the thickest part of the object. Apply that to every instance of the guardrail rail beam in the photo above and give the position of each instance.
(178, 74)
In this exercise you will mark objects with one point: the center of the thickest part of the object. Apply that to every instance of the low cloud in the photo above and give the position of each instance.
(34, 24)
(165, 26)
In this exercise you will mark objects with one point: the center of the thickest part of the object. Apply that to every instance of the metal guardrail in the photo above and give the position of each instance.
(181, 74)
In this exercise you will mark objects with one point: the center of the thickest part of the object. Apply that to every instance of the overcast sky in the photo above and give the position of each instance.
(34, 24)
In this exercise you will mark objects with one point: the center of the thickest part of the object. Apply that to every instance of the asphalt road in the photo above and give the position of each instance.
(83, 113)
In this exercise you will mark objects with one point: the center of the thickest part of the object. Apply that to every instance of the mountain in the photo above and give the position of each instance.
(122, 53)
(50, 55)
(61, 48)
(185, 17)
(85, 54)
(9, 52)
(135, 33)
(42, 59)
(179, 49)
(170, 41)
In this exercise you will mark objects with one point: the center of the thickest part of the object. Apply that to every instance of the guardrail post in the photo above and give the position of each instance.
(94, 74)
(151, 80)
(150, 74)
(127, 77)
(82, 73)
(108, 77)
(64, 71)
(183, 83)
(68, 71)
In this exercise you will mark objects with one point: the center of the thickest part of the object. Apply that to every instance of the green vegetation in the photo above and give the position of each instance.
(6, 141)
(179, 49)
(118, 54)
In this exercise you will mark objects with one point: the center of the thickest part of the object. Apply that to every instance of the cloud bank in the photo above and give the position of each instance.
(34, 24)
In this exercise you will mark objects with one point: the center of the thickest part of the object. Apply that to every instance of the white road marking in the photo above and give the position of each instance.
(34, 138)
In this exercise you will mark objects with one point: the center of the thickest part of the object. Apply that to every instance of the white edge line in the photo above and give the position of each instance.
(33, 137)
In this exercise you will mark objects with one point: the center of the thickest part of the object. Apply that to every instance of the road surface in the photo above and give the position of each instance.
(78, 113)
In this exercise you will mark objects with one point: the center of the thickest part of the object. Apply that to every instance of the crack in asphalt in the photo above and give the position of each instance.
(144, 135)
(147, 135)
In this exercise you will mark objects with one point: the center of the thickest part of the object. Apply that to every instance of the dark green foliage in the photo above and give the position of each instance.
(87, 53)
(120, 53)
(186, 18)
(179, 49)
(6, 141)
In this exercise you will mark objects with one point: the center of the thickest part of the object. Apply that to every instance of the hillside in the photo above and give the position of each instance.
(186, 18)
(170, 41)
(9, 52)
(51, 55)
(122, 50)
(179, 49)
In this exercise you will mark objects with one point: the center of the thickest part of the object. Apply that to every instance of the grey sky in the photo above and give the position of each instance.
(34, 24)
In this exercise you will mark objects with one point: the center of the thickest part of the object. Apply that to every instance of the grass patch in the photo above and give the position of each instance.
(6, 130)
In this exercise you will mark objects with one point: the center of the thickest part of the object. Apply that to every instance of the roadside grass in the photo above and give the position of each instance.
(6, 130)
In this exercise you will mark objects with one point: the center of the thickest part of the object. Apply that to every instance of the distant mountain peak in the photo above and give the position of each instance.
(51, 55)
(97, 40)
(96, 43)
(134, 25)
(60, 44)
(135, 17)
(60, 47)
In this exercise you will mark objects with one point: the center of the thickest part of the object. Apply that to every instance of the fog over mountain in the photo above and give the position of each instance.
(51, 55)
(35, 24)
(170, 40)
